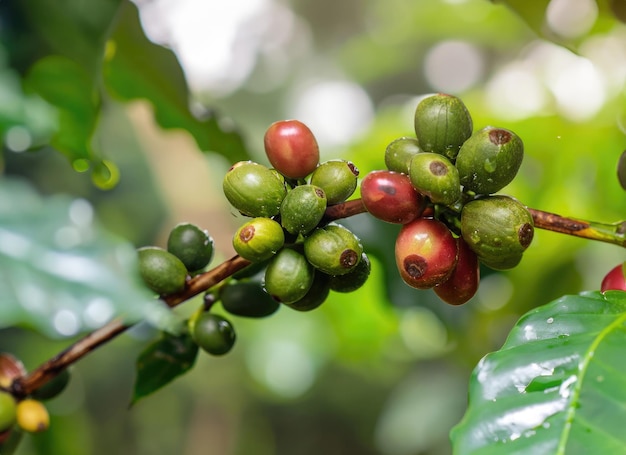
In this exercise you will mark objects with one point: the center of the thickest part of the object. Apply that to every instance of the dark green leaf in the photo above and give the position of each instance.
(60, 272)
(557, 386)
(136, 68)
(162, 362)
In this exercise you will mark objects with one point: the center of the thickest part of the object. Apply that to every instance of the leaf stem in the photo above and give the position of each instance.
(23, 386)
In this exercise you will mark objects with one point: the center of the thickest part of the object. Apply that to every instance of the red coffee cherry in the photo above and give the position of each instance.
(614, 280)
(463, 283)
(292, 148)
(390, 196)
(426, 253)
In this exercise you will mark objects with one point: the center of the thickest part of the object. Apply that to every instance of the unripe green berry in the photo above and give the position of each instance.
(253, 189)
(338, 179)
(288, 276)
(442, 124)
(162, 272)
(192, 245)
(353, 280)
(213, 333)
(333, 249)
(8, 411)
(248, 299)
(315, 296)
(399, 152)
(489, 160)
(302, 209)
(53, 387)
(498, 229)
(258, 239)
(435, 176)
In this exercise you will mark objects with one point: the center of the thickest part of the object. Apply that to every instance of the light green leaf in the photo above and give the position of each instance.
(557, 386)
(136, 68)
(60, 272)
(162, 362)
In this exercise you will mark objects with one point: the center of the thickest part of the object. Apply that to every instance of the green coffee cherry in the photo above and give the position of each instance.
(213, 333)
(253, 189)
(338, 179)
(398, 154)
(8, 411)
(353, 280)
(258, 239)
(489, 160)
(247, 299)
(442, 124)
(288, 276)
(53, 387)
(498, 229)
(302, 209)
(315, 296)
(192, 245)
(162, 272)
(435, 176)
(333, 249)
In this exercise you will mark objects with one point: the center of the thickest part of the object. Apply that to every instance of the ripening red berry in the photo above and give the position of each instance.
(614, 280)
(390, 196)
(463, 283)
(426, 253)
(292, 148)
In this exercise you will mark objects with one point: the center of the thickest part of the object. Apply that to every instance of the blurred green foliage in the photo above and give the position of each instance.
(381, 371)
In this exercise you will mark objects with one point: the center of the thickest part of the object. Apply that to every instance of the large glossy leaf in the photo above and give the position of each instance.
(136, 68)
(162, 362)
(557, 386)
(60, 272)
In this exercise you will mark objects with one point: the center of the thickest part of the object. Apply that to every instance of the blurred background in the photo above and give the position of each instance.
(384, 370)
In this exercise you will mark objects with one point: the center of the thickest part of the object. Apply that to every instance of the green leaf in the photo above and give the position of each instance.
(60, 272)
(136, 68)
(162, 362)
(557, 386)
(70, 89)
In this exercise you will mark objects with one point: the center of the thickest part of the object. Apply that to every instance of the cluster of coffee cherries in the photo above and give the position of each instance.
(302, 255)
(439, 185)
(27, 414)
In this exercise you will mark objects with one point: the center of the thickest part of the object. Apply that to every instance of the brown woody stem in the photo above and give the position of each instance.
(610, 233)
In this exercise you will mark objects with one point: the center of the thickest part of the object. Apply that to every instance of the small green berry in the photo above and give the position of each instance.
(162, 272)
(213, 333)
(338, 179)
(258, 239)
(192, 245)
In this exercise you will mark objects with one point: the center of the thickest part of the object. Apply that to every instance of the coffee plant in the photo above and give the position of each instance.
(443, 223)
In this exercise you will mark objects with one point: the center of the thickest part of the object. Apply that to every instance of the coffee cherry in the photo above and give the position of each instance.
(426, 253)
(315, 296)
(258, 239)
(353, 280)
(399, 152)
(338, 179)
(498, 229)
(436, 177)
(162, 272)
(213, 333)
(192, 245)
(32, 416)
(442, 124)
(53, 387)
(463, 283)
(390, 196)
(614, 280)
(248, 299)
(253, 189)
(302, 209)
(8, 411)
(288, 276)
(489, 160)
(333, 249)
(291, 148)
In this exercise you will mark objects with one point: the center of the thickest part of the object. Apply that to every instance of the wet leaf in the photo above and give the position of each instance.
(557, 386)
(60, 272)
(162, 362)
